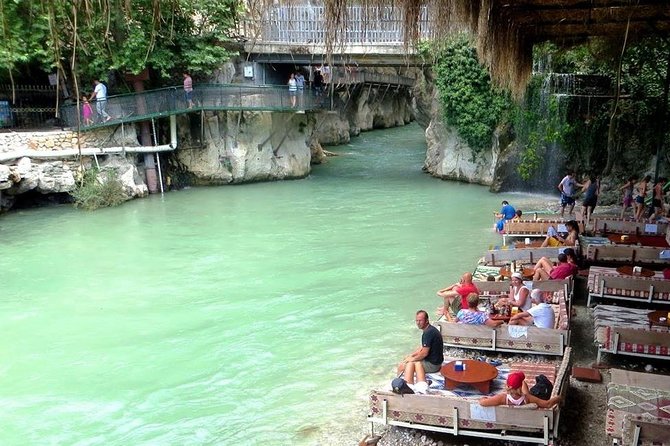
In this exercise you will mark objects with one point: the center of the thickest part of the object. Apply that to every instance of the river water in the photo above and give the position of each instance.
(254, 314)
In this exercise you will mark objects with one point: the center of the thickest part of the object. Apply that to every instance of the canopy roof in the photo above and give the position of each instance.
(506, 30)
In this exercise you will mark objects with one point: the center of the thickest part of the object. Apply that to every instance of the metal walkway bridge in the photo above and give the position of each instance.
(164, 102)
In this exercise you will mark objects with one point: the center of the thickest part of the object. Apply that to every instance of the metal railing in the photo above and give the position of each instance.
(302, 24)
(132, 107)
(171, 100)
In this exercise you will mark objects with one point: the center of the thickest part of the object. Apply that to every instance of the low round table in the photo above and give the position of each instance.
(477, 373)
(627, 270)
(655, 318)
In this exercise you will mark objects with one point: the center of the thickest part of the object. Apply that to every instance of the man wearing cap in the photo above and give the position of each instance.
(429, 357)
(461, 289)
(541, 315)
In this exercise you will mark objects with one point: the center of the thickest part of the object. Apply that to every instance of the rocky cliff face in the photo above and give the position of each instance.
(448, 156)
(247, 146)
(55, 177)
(362, 108)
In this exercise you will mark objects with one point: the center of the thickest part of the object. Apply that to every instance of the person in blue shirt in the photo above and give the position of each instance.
(507, 212)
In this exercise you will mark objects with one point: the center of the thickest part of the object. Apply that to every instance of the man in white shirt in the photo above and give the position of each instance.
(541, 314)
(567, 187)
(100, 94)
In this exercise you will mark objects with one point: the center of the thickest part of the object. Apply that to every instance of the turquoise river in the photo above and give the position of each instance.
(259, 314)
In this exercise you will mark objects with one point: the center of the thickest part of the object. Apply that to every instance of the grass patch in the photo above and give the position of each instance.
(99, 189)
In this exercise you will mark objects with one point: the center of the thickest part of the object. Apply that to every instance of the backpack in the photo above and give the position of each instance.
(400, 386)
(542, 388)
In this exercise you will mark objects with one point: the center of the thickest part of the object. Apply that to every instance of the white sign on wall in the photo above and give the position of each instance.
(249, 71)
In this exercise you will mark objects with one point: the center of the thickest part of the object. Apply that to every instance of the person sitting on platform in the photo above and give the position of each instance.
(554, 239)
(429, 357)
(451, 307)
(473, 316)
(517, 394)
(545, 269)
(462, 289)
(540, 315)
(507, 212)
(517, 215)
(518, 294)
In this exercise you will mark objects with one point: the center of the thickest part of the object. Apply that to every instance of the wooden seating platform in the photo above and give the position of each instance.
(627, 254)
(460, 416)
(531, 228)
(618, 226)
(607, 283)
(500, 257)
(637, 412)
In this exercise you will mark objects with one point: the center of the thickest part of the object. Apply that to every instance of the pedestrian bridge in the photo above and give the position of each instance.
(164, 102)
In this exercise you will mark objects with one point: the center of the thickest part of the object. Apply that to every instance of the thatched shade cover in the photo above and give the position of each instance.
(506, 30)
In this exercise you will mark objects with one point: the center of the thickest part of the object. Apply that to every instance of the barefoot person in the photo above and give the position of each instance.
(641, 190)
(462, 289)
(517, 394)
(627, 190)
(554, 239)
(567, 187)
(426, 359)
(657, 199)
(545, 269)
(591, 190)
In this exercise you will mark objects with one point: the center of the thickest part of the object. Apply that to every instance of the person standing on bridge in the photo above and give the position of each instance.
(100, 95)
(300, 82)
(292, 89)
(188, 89)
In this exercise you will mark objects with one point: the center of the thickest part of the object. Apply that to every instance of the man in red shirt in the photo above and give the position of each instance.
(545, 270)
(462, 289)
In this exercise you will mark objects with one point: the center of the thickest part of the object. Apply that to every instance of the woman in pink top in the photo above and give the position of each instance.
(517, 394)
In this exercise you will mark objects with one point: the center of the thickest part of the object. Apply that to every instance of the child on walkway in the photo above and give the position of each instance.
(86, 111)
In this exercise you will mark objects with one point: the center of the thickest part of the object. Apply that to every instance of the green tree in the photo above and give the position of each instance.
(470, 103)
(94, 37)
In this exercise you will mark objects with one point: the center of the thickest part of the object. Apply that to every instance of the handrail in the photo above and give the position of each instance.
(166, 101)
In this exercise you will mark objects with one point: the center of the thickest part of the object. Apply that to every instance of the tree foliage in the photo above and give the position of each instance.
(470, 104)
(636, 122)
(99, 36)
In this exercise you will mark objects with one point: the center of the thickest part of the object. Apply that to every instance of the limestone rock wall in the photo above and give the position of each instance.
(251, 146)
(24, 168)
(448, 156)
(53, 141)
(50, 177)
(362, 108)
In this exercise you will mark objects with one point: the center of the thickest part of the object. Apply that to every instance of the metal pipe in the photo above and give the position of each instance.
(160, 173)
(67, 153)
